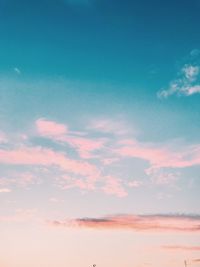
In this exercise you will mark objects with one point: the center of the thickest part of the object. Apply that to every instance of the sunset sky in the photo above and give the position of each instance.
(99, 133)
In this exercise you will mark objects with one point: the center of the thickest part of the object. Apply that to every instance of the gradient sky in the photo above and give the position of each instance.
(99, 133)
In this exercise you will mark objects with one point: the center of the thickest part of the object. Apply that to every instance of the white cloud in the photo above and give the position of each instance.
(16, 70)
(193, 90)
(117, 127)
(187, 82)
(135, 183)
(191, 72)
(55, 200)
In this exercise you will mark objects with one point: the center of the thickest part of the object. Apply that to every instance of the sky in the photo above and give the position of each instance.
(99, 133)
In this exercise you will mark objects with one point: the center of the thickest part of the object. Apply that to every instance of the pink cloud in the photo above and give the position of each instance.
(5, 190)
(152, 223)
(180, 247)
(26, 179)
(50, 128)
(19, 179)
(83, 145)
(60, 133)
(20, 215)
(67, 182)
(113, 186)
(47, 157)
(160, 156)
(3, 138)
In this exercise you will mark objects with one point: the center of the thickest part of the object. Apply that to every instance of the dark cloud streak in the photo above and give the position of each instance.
(152, 222)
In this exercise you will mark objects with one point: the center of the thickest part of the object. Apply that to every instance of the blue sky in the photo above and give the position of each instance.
(99, 133)
(105, 41)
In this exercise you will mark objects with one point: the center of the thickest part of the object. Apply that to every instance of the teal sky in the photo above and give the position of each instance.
(99, 133)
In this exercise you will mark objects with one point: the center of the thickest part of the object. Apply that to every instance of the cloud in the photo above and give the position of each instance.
(191, 72)
(55, 200)
(135, 183)
(19, 216)
(196, 260)
(110, 185)
(67, 182)
(46, 157)
(73, 173)
(160, 155)
(162, 177)
(193, 90)
(83, 145)
(23, 180)
(96, 154)
(5, 190)
(113, 186)
(60, 133)
(108, 126)
(109, 150)
(195, 52)
(3, 138)
(109, 161)
(149, 223)
(50, 128)
(188, 79)
(17, 71)
(180, 247)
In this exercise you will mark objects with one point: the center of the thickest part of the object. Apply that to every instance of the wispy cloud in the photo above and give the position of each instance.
(20, 179)
(188, 79)
(5, 190)
(19, 216)
(70, 181)
(160, 155)
(194, 53)
(111, 149)
(181, 247)
(49, 128)
(162, 177)
(115, 127)
(86, 157)
(154, 223)
(17, 70)
(83, 145)
(135, 183)
(47, 157)
(3, 138)
(55, 200)
(61, 133)
(114, 186)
